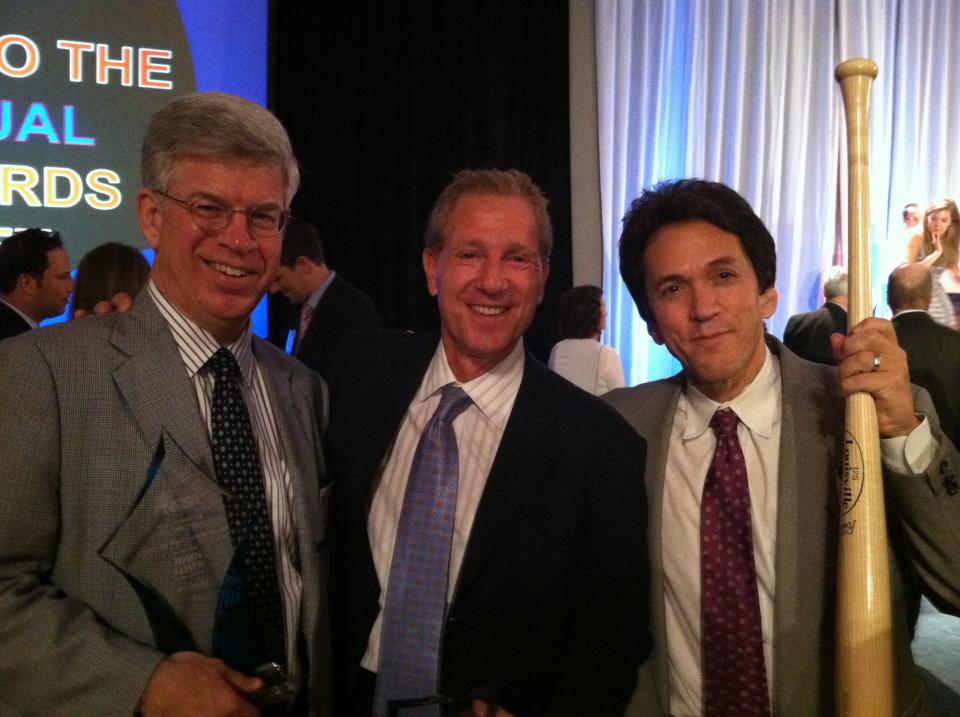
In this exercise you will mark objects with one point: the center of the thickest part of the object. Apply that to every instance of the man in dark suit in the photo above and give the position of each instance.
(933, 350)
(808, 335)
(35, 280)
(744, 446)
(162, 528)
(330, 306)
(540, 608)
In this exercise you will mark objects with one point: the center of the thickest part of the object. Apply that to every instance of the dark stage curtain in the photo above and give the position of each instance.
(385, 100)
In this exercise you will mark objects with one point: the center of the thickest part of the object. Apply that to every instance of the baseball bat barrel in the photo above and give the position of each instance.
(864, 667)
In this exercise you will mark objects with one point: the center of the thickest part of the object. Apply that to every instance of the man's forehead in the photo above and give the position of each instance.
(198, 168)
(475, 213)
(674, 241)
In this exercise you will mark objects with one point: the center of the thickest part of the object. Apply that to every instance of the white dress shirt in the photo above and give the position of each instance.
(478, 429)
(691, 449)
(196, 347)
(587, 363)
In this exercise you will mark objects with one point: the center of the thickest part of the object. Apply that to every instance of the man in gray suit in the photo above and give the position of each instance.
(701, 267)
(131, 554)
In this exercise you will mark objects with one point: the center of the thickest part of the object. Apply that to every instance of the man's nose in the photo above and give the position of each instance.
(236, 235)
(492, 278)
(703, 301)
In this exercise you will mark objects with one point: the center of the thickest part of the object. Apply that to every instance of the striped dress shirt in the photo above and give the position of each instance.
(196, 347)
(478, 429)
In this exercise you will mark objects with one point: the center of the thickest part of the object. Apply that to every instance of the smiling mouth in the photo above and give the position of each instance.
(487, 310)
(227, 270)
(712, 335)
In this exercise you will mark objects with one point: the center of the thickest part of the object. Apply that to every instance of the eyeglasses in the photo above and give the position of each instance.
(213, 216)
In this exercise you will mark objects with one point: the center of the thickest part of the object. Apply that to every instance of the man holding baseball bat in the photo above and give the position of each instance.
(744, 446)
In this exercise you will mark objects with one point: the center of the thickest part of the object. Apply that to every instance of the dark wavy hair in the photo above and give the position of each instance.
(691, 200)
(581, 309)
(301, 239)
(25, 252)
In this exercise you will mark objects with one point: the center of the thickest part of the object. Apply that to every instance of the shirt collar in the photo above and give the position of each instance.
(197, 345)
(26, 317)
(757, 406)
(318, 293)
(493, 392)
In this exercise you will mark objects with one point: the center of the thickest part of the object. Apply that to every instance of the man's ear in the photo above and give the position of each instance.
(27, 285)
(544, 274)
(430, 269)
(302, 265)
(149, 216)
(768, 302)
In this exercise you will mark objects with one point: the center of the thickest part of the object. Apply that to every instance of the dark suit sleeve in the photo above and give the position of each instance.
(789, 334)
(928, 507)
(610, 635)
(57, 657)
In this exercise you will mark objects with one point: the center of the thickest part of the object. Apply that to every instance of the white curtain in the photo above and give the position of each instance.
(742, 92)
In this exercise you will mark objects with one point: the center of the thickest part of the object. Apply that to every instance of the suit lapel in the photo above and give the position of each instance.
(523, 457)
(362, 453)
(155, 384)
(162, 400)
(806, 534)
(653, 418)
(294, 427)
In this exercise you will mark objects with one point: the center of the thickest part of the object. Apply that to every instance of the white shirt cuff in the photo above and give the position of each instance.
(910, 454)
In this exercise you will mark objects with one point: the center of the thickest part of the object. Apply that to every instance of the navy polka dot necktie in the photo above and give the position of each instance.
(251, 595)
(416, 598)
(734, 676)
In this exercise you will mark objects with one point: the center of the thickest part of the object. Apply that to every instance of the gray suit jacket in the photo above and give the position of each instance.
(923, 522)
(110, 514)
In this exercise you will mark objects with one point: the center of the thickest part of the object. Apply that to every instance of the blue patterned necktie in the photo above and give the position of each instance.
(417, 591)
(734, 676)
(249, 630)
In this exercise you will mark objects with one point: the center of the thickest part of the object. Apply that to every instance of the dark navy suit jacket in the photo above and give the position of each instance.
(550, 604)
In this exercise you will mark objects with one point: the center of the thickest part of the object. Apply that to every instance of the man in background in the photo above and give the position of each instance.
(35, 281)
(933, 350)
(490, 514)
(808, 334)
(163, 525)
(911, 216)
(330, 307)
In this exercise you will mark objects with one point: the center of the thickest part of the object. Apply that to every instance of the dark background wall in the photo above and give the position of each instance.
(385, 100)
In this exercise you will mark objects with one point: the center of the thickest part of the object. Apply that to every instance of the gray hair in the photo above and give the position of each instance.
(835, 282)
(497, 182)
(214, 125)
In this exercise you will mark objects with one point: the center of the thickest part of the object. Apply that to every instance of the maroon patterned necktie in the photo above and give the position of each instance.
(734, 677)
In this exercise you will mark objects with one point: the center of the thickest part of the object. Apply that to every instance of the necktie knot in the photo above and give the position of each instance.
(224, 365)
(453, 402)
(724, 423)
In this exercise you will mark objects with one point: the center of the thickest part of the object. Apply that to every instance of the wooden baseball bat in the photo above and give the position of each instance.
(864, 674)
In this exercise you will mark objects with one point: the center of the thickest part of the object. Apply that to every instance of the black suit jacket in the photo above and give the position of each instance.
(933, 356)
(550, 604)
(342, 309)
(808, 335)
(11, 323)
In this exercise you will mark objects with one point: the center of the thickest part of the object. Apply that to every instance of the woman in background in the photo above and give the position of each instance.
(111, 272)
(580, 357)
(936, 244)
(937, 249)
